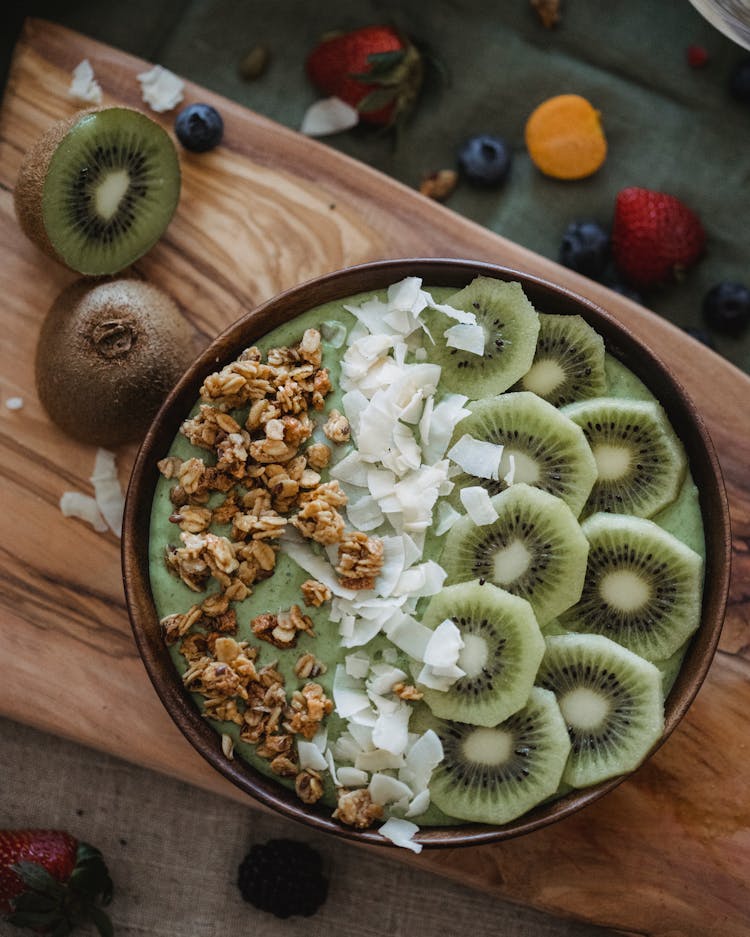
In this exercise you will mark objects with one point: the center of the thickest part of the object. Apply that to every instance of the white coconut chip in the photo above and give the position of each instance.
(327, 116)
(378, 760)
(351, 469)
(345, 748)
(357, 665)
(317, 567)
(446, 517)
(442, 682)
(408, 296)
(83, 507)
(383, 677)
(467, 318)
(363, 632)
(349, 695)
(310, 756)
(443, 421)
(469, 338)
(333, 333)
(478, 505)
(84, 86)
(477, 457)
(352, 777)
(161, 89)
(107, 491)
(410, 636)
(364, 514)
(14, 403)
(384, 789)
(419, 803)
(401, 833)
(362, 736)
(331, 766)
(510, 475)
(444, 645)
(320, 739)
(421, 760)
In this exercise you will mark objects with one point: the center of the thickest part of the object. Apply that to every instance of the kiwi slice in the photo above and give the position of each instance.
(670, 668)
(569, 361)
(98, 190)
(534, 549)
(611, 701)
(495, 774)
(642, 586)
(500, 657)
(541, 446)
(108, 354)
(641, 464)
(510, 324)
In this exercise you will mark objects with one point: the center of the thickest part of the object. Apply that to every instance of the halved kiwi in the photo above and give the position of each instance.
(611, 701)
(97, 191)
(500, 657)
(641, 463)
(642, 587)
(534, 549)
(510, 324)
(493, 775)
(568, 363)
(544, 448)
(108, 354)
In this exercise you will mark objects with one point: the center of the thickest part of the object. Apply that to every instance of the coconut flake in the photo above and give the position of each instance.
(333, 332)
(410, 636)
(400, 833)
(327, 116)
(364, 514)
(477, 457)
(443, 681)
(352, 777)
(469, 338)
(320, 739)
(446, 517)
(84, 507)
(349, 695)
(383, 678)
(310, 756)
(84, 86)
(419, 803)
(467, 318)
(444, 646)
(357, 665)
(317, 567)
(478, 505)
(14, 403)
(390, 732)
(363, 631)
(443, 420)
(351, 469)
(331, 766)
(378, 760)
(387, 790)
(421, 760)
(509, 477)
(107, 491)
(161, 89)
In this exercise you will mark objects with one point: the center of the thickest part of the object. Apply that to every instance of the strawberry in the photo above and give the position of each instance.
(655, 237)
(374, 69)
(50, 882)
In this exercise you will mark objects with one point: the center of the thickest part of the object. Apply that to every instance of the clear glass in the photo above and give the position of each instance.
(732, 17)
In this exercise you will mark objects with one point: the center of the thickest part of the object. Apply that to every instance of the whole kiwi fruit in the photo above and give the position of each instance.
(108, 354)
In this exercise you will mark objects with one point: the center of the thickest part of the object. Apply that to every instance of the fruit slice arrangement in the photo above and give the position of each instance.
(616, 596)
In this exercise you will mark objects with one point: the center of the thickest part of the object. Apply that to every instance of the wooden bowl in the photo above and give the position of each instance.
(436, 272)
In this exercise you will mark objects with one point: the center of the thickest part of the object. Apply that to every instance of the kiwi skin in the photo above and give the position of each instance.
(108, 353)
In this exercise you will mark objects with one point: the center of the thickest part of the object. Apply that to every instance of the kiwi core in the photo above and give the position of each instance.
(110, 192)
(544, 377)
(612, 462)
(488, 746)
(511, 562)
(625, 590)
(525, 469)
(473, 656)
(584, 709)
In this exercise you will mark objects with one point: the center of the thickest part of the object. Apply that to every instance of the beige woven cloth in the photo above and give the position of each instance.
(173, 852)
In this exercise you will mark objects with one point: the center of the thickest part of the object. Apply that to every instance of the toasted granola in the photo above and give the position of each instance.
(315, 593)
(318, 521)
(308, 665)
(308, 707)
(337, 427)
(318, 455)
(406, 691)
(308, 786)
(356, 808)
(360, 560)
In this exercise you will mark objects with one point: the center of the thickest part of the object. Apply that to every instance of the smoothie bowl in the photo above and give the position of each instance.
(426, 552)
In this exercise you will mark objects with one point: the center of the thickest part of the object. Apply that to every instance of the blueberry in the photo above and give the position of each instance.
(726, 307)
(585, 248)
(739, 81)
(700, 335)
(199, 127)
(485, 160)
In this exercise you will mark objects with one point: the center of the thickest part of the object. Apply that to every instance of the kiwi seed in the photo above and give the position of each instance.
(108, 354)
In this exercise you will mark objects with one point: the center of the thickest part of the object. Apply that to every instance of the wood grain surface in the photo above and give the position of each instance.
(668, 852)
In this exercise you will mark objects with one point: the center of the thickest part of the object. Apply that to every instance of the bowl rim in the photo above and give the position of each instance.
(339, 284)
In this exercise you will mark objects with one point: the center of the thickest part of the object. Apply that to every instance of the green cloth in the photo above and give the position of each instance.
(669, 127)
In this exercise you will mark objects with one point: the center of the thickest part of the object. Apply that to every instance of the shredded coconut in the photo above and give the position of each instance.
(161, 89)
(107, 491)
(330, 115)
(83, 507)
(478, 505)
(14, 403)
(401, 833)
(84, 86)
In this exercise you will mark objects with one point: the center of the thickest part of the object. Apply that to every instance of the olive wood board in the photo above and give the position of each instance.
(668, 851)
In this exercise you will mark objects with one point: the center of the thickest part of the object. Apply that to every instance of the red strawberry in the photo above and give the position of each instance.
(655, 237)
(374, 69)
(50, 882)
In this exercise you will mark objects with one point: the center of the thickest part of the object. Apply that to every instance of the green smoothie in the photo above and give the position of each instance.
(171, 595)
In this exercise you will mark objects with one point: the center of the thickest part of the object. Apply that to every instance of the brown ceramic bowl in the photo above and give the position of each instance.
(546, 296)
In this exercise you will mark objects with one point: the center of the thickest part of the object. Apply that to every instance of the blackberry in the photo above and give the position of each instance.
(199, 127)
(726, 307)
(284, 877)
(585, 248)
(485, 160)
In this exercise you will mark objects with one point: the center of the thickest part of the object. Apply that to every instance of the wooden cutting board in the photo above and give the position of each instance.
(668, 852)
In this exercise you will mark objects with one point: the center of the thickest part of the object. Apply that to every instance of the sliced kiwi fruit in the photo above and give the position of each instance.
(568, 363)
(510, 324)
(641, 464)
(108, 354)
(500, 657)
(670, 668)
(534, 549)
(98, 190)
(542, 447)
(611, 701)
(495, 774)
(642, 587)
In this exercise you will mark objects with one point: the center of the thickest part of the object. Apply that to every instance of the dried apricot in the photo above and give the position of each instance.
(564, 137)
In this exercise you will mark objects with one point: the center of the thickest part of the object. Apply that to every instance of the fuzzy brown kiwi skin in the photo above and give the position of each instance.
(109, 351)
